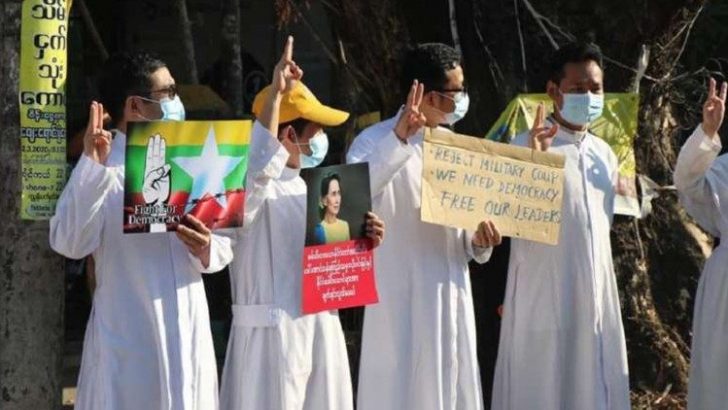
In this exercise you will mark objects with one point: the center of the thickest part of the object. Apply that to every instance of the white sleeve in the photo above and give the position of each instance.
(268, 159)
(693, 164)
(75, 229)
(477, 253)
(386, 156)
(221, 254)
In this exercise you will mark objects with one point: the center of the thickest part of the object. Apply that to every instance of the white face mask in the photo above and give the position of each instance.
(462, 103)
(172, 108)
(582, 109)
(319, 144)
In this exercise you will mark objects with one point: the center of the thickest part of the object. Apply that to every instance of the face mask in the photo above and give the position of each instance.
(462, 103)
(319, 147)
(582, 109)
(172, 108)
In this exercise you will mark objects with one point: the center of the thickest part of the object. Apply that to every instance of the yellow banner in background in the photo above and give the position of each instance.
(42, 100)
(617, 126)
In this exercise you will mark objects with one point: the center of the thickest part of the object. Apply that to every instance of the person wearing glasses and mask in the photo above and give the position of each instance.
(277, 357)
(418, 343)
(148, 342)
(562, 344)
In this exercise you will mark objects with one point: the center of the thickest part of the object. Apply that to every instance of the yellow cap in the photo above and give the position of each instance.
(300, 102)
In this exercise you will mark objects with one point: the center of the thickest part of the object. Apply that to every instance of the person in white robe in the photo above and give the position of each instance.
(701, 178)
(418, 344)
(148, 343)
(278, 358)
(562, 344)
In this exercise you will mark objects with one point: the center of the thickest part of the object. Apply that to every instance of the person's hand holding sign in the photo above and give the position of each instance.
(375, 229)
(541, 136)
(714, 109)
(96, 140)
(486, 235)
(412, 119)
(197, 237)
(155, 187)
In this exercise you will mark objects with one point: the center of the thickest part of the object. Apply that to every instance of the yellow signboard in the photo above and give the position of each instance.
(42, 100)
(466, 180)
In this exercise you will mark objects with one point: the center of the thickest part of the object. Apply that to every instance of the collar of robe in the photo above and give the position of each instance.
(571, 136)
(290, 173)
(118, 149)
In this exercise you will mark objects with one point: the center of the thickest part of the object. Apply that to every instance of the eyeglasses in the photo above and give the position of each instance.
(459, 93)
(170, 91)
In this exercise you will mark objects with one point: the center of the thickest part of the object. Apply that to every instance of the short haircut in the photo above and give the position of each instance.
(327, 181)
(575, 52)
(298, 125)
(123, 75)
(429, 63)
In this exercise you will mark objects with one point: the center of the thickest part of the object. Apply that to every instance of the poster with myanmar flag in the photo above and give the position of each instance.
(174, 168)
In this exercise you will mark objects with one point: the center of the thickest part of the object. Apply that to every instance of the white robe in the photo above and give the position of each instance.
(702, 181)
(418, 344)
(278, 359)
(562, 344)
(148, 342)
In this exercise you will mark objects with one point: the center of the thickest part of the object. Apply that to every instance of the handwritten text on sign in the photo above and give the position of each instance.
(467, 180)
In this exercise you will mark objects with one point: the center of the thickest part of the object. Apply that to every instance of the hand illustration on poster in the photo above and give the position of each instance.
(187, 167)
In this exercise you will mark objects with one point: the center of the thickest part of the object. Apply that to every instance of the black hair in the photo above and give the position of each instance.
(325, 182)
(575, 52)
(123, 75)
(429, 63)
(298, 125)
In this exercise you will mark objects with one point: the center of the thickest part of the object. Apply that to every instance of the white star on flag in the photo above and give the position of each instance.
(208, 172)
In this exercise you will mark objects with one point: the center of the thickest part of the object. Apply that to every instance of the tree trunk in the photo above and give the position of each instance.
(189, 73)
(31, 275)
(231, 59)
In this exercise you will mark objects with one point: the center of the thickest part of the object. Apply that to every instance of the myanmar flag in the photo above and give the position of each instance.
(175, 168)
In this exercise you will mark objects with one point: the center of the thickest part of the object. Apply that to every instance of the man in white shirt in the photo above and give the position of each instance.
(701, 177)
(419, 345)
(562, 344)
(277, 357)
(148, 343)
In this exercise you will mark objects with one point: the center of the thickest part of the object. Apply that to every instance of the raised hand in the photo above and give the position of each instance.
(714, 108)
(487, 235)
(96, 140)
(155, 187)
(541, 136)
(412, 119)
(286, 72)
(375, 229)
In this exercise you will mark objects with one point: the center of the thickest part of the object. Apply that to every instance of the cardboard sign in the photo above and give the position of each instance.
(174, 168)
(467, 180)
(338, 261)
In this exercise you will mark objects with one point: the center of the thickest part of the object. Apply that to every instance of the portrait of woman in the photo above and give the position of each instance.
(331, 229)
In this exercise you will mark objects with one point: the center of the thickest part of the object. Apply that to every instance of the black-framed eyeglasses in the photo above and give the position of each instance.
(451, 90)
(170, 91)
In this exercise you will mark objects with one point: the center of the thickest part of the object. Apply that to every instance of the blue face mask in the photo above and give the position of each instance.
(462, 103)
(172, 109)
(582, 109)
(319, 147)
